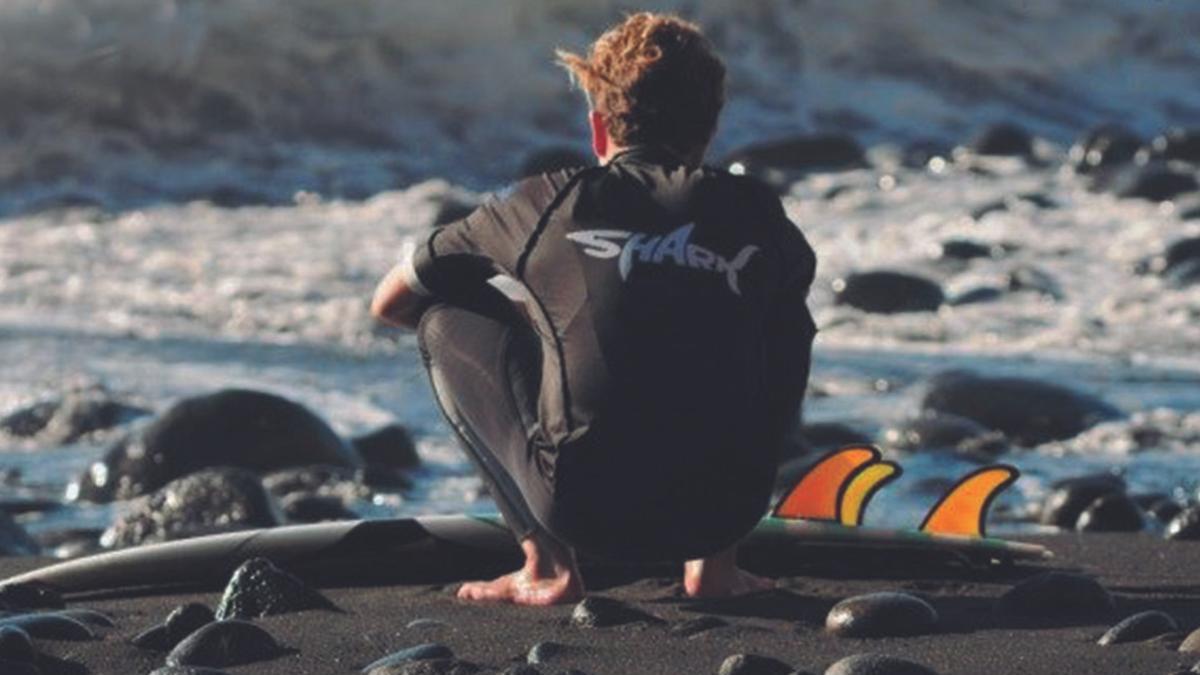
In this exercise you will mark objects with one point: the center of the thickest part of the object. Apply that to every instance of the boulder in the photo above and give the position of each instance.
(888, 292)
(77, 413)
(1027, 411)
(797, 154)
(391, 445)
(1182, 145)
(932, 430)
(1104, 148)
(1068, 498)
(214, 500)
(1005, 139)
(1186, 525)
(251, 430)
(1114, 512)
(1154, 182)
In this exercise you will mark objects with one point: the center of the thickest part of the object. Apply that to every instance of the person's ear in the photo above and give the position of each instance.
(599, 134)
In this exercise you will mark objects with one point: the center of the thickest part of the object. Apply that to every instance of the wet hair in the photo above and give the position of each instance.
(655, 80)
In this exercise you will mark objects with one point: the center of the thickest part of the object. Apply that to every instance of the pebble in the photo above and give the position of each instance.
(600, 612)
(258, 588)
(698, 625)
(50, 626)
(31, 596)
(180, 623)
(1069, 497)
(428, 667)
(1139, 627)
(877, 664)
(1057, 594)
(888, 292)
(753, 664)
(1186, 525)
(224, 643)
(1191, 643)
(544, 651)
(885, 614)
(422, 652)
(16, 645)
(1114, 512)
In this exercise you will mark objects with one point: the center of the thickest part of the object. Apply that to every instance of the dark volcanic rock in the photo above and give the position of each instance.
(14, 540)
(1032, 279)
(1161, 508)
(1154, 182)
(225, 643)
(215, 500)
(936, 431)
(259, 588)
(428, 667)
(1184, 275)
(1186, 525)
(965, 249)
(1113, 512)
(1139, 627)
(544, 651)
(821, 152)
(247, 429)
(887, 292)
(1175, 145)
(1103, 148)
(881, 615)
(422, 652)
(752, 664)
(302, 508)
(77, 413)
(50, 626)
(326, 480)
(390, 445)
(1056, 594)
(554, 158)
(976, 295)
(1027, 411)
(877, 664)
(1068, 498)
(180, 623)
(28, 421)
(600, 612)
(1003, 139)
(16, 645)
(30, 596)
(698, 625)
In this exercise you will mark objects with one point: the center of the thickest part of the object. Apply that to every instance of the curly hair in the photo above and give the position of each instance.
(655, 79)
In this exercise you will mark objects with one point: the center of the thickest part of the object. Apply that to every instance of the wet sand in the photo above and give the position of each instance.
(1141, 571)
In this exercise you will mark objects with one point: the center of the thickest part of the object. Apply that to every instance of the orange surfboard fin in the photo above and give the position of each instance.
(818, 493)
(861, 487)
(963, 510)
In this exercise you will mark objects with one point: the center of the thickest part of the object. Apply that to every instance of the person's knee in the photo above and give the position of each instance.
(433, 328)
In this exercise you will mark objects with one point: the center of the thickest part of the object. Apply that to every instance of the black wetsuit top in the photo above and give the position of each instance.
(670, 307)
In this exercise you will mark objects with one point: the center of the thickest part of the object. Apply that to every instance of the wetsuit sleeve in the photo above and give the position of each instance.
(790, 328)
(459, 257)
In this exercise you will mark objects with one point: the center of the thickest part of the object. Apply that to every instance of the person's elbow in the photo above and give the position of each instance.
(396, 304)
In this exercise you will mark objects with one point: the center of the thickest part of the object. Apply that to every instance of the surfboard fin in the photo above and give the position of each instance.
(819, 493)
(861, 487)
(964, 508)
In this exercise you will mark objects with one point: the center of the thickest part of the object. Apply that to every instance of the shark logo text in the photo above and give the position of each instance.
(671, 248)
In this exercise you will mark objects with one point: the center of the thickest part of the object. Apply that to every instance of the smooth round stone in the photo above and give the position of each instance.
(753, 664)
(1111, 513)
(544, 651)
(881, 615)
(258, 588)
(877, 664)
(888, 292)
(698, 625)
(224, 643)
(50, 626)
(16, 645)
(1139, 627)
(1068, 498)
(599, 612)
(187, 619)
(1191, 643)
(1155, 182)
(422, 652)
(1186, 525)
(1057, 594)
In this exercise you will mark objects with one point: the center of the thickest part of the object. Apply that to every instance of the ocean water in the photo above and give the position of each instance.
(330, 132)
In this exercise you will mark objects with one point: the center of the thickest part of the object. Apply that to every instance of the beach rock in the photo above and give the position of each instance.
(1154, 182)
(1103, 148)
(752, 664)
(14, 540)
(965, 249)
(187, 670)
(251, 430)
(427, 667)
(322, 480)
(389, 445)
(1068, 498)
(1057, 594)
(1162, 508)
(49, 626)
(224, 643)
(600, 612)
(1178, 253)
(421, 652)
(314, 509)
(1004, 139)
(553, 158)
(77, 413)
(936, 431)
(30, 595)
(1029, 412)
(16, 646)
(1186, 525)
(877, 664)
(1139, 627)
(698, 625)
(1033, 280)
(888, 292)
(803, 153)
(258, 588)
(213, 500)
(180, 623)
(1191, 643)
(1113, 512)
(1175, 145)
(1184, 275)
(976, 295)
(881, 615)
(544, 651)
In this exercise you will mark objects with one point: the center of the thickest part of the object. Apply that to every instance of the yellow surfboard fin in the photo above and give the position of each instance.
(817, 495)
(859, 489)
(963, 510)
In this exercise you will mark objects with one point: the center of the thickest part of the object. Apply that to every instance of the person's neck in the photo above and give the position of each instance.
(693, 159)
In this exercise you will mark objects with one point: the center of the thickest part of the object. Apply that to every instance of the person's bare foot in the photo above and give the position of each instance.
(718, 576)
(550, 577)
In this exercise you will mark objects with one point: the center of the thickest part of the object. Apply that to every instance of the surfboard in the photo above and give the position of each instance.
(822, 514)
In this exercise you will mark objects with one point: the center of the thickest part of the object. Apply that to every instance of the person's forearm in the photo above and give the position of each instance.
(395, 303)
